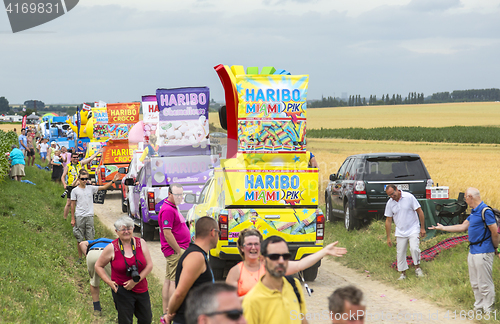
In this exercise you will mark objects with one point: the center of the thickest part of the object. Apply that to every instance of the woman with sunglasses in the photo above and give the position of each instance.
(248, 272)
(130, 264)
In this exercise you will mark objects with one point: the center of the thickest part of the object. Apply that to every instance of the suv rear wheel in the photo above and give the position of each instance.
(349, 221)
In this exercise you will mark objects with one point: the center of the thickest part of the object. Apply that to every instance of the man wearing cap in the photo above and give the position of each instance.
(52, 150)
(93, 250)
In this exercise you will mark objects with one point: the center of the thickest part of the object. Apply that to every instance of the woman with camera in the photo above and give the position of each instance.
(130, 264)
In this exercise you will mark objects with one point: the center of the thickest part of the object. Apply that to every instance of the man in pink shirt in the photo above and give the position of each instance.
(175, 239)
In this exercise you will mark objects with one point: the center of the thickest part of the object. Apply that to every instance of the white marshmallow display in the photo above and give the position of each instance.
(186, 132)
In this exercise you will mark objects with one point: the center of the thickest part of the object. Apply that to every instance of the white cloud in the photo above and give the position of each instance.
(448, 46)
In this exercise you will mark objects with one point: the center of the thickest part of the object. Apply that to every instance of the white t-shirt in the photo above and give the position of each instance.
(84, 200)
(44, 147)
(404, 214)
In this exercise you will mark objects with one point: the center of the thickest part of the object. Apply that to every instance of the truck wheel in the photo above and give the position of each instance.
(124, 207)
(217, 266)
(311, 273)
(147, 231)
(349, 221)
(328, 209)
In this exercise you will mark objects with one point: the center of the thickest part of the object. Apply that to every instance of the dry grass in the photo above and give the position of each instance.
(10, 127)
(457, 166)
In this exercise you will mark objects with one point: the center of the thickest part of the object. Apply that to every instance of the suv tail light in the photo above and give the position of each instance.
(151, 200)
(223, 227)
(430, 183)
(359, 188)
(103, 174)
(320, 225)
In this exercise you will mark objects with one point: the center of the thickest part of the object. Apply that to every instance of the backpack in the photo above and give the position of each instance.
(291, 280)
(496, 213)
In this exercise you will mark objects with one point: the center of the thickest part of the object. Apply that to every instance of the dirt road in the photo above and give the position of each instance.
(385, 304)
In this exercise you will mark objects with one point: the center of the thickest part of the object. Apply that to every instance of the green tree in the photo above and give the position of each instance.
(4, 105)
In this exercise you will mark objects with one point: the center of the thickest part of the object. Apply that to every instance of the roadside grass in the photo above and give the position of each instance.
(40, 279)
(446, 280)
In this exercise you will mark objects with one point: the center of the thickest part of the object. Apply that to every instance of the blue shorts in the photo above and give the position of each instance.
(43, 155)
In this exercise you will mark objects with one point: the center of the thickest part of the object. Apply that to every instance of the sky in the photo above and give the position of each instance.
(119, 50)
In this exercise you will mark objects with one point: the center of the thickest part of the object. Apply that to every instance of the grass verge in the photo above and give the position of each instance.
(454, 134)
(446, 280)
(40, 279)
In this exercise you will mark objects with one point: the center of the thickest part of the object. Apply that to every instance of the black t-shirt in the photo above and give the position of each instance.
(206, 276)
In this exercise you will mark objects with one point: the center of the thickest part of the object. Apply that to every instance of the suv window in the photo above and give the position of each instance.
(410, 169)
(353, 169)
(342, 171)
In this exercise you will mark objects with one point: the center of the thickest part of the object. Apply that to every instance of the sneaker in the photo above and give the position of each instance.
(79, 261)
(419, 272)
(402, 277)
(97, 312)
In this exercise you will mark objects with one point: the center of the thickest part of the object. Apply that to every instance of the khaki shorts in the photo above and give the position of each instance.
(92, 257)
(172, 261)
(84, 228)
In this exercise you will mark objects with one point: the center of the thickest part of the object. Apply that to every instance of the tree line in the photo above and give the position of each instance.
(356, 100)
(472, 95)
(466, 95)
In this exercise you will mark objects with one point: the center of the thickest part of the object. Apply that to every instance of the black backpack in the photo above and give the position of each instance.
(291, 280)
(496, 213)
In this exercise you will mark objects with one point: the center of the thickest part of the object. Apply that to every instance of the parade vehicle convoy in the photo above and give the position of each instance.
(264, 182)
(356, 193)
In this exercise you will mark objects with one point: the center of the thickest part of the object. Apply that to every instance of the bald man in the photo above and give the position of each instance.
(483, 239)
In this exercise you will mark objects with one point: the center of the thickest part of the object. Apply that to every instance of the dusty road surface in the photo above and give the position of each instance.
(385, 304)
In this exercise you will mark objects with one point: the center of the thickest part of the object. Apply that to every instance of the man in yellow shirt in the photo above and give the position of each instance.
(274, 299)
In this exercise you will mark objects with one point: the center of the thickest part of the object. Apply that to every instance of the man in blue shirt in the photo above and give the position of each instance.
(483, 238)
(93, 250)
(23, 141)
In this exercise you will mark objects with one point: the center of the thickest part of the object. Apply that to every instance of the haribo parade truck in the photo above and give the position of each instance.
(117, 152)
(264, 182)
(182, 156)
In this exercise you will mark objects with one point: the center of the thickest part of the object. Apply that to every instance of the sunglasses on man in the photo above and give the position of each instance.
(276, 256)
(233, 314)
(84, 179)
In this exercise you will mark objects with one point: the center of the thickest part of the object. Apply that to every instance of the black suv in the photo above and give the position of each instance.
(357, 191)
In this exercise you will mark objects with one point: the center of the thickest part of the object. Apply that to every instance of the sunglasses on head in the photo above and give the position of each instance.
(276, 256)
(233, 314)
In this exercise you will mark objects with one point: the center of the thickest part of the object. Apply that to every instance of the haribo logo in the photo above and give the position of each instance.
(26, 14)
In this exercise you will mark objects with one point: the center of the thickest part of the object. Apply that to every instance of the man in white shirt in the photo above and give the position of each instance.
(409, 218)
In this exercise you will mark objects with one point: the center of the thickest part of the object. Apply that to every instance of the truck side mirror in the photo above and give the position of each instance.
(223, 117)
(129, 181)
(122, 170)
(333, 177)
(190, 198)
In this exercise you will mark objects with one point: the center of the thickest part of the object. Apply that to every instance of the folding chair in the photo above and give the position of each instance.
(446, 213)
